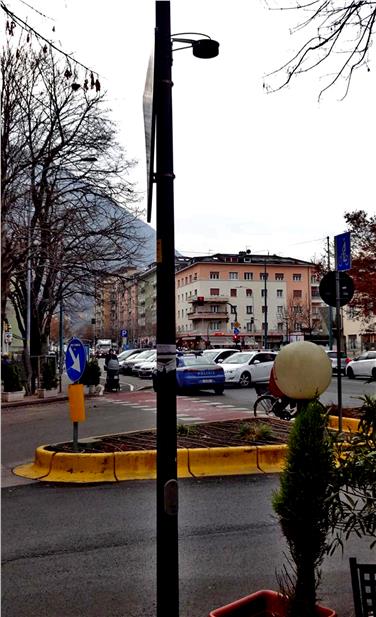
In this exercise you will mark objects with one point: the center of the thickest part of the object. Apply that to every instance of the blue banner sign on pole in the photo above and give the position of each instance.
(343, 251)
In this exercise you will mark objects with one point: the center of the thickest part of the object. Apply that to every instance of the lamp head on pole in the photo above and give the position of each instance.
(205, 48)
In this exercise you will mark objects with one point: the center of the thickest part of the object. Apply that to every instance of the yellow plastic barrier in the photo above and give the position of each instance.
(140, 465)
(271, 459)
(39, 468)
(81, 468)
(222, 461)
(349, 425)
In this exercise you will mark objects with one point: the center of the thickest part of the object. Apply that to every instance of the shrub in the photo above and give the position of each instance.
(13, 377)
(49, 379)
(91, 374)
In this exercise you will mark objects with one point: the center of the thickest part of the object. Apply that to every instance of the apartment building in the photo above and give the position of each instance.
(261, 296)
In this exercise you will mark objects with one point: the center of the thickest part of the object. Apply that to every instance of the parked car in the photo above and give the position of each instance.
(141, 361)
(124, 355)
(195, 373)
(363, 366)
(218, 355)
(147, 369)
(332, 355)
(248, 367)
(129, 363)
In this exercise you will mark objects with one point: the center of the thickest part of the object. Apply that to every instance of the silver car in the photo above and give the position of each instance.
(248, 367)
(363, 366)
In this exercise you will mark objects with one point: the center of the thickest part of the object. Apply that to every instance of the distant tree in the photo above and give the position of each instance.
(68, 209)
(363, 271)
(339, 38)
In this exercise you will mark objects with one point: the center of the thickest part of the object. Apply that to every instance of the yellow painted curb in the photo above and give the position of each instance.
(39, 468)
(271, 459)
(140, 465)
(222, 461)
(81, 468)
(349, 425)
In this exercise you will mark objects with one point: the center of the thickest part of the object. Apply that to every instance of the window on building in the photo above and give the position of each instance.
(352, 341)
(214, 275)
(190, 278)
(315, 292)
(233, 276)
(297, 309)
(214, 308)
(248, 276)
(249, 326)
(249, 309)
(280, 326)
(296, 277)
(178, 282)
(279, 310)
(264, 293)
(214, 325)
(263, 325)
(234, 308)
(313, 278)
(297, 326)
(186, 280)
(214, 291)
(195, 276)
(279, 276)
(233, 293)
(279, 293)
(263, 309)
(297, 293)
(264, 276)
(248, 292)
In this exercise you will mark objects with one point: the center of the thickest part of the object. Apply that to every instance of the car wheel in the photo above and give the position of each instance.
(245, 380)
(219, 389)
(350, 373)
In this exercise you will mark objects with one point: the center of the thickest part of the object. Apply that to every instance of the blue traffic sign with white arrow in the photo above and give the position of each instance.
(75, 359)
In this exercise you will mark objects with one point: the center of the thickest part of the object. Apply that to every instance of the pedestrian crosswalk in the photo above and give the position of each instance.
(189, 408)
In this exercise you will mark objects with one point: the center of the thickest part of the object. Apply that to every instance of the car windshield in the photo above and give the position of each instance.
(239, 358)
(192, 361)
(125, 354)
(210, 355)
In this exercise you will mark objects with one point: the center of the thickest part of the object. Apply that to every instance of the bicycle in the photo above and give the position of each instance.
(268, 403)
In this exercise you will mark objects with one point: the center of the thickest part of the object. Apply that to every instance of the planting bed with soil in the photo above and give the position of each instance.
(244, 432)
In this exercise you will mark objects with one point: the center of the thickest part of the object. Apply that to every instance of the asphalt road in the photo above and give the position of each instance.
(89, 551)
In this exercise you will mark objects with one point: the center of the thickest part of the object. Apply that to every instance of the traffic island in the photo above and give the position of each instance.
(52, 465)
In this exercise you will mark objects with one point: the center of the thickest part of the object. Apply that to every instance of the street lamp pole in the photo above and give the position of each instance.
(167, 488)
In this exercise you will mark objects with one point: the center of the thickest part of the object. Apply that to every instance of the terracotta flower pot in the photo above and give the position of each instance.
(264, 603)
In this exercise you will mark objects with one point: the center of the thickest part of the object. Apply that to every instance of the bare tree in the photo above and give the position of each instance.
(69, 214)
(339, 38)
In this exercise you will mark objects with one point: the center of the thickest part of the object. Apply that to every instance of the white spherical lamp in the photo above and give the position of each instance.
(302, 370)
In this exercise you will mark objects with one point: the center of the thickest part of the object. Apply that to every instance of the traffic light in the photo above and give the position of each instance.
(200, 300)
(236, 338)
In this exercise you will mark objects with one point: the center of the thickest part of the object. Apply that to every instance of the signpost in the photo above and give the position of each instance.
(337, 289)
(75, 362)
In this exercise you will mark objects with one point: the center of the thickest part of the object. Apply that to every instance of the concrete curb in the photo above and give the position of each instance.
(49, 466)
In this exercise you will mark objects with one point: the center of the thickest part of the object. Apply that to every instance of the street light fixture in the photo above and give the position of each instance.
(167, 490)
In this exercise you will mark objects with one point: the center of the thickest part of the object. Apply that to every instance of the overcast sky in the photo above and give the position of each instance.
(266, 172)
